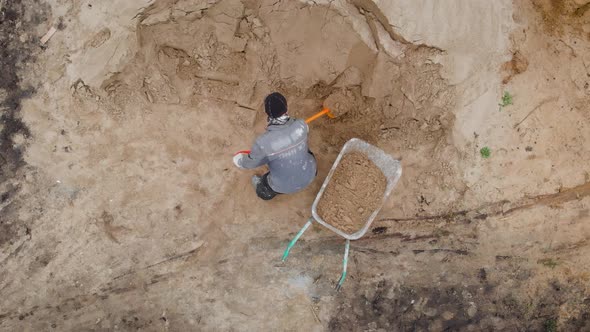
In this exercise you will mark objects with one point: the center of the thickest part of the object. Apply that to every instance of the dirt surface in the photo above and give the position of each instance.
(120, 208)
(355, 191)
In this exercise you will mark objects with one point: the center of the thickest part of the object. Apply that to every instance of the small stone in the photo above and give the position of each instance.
(239, 44)
(256, 21)
(160, 17)
(243, 27)
(176, 14)
(195, 15)
(430, 312)
(447, 315)
(472, 310)
(466, 294)
(258, 32)
(149, 96)
(347, 220)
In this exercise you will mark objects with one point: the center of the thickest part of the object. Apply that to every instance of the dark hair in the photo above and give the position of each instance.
(275, 105)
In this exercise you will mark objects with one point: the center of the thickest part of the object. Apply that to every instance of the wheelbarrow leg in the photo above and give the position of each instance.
(344, 265)
(292, 243)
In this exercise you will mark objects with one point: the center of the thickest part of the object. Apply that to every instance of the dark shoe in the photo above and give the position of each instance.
(262, 188)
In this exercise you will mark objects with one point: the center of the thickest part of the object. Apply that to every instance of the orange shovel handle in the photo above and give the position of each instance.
(319, 114)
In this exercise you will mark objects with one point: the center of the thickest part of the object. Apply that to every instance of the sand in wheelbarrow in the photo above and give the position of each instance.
(354, 192)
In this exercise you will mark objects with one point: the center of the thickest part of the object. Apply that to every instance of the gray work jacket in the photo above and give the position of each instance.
(284, 148)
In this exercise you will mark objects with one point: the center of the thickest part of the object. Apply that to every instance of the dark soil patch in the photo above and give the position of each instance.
(517, 65)
(17, 18)
(457, 308)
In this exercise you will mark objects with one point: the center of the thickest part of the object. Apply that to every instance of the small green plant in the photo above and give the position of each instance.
(548, 262)
(506, 100)
(529, 309)
(485, 152)
(550, 325)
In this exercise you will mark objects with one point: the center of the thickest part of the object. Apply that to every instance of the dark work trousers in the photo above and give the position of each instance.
(263, 189)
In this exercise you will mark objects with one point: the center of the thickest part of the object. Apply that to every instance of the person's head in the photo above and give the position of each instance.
(275, 105)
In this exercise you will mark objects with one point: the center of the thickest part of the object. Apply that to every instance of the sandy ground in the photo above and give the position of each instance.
(121, 209)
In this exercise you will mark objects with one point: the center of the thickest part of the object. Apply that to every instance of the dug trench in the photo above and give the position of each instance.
(162, 232)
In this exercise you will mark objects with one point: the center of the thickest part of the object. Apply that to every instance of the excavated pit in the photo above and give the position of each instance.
(400, 103)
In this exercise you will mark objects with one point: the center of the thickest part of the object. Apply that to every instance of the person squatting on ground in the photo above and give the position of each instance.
(283, 147)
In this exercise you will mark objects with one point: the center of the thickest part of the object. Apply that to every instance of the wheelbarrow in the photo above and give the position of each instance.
(392, 170)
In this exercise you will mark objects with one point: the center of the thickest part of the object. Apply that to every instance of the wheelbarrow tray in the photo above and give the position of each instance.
(390, 167)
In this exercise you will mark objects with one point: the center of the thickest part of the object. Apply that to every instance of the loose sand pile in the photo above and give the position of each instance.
(342, 101)
(353, 194)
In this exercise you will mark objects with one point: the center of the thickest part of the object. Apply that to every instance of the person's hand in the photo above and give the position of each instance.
(238, 160)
